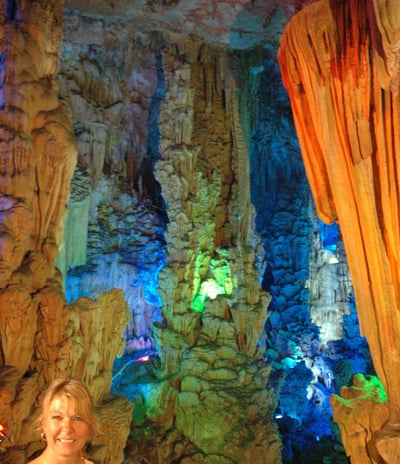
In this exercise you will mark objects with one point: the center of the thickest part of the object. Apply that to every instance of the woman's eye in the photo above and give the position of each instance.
(56, 417)
(77, 418)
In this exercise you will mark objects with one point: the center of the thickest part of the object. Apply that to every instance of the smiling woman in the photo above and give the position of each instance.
(66, 424)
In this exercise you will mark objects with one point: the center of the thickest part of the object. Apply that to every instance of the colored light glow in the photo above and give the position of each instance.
(3, 432)
(329, 236)
(211, 289)
(279, 413)
(220, 282)
(370, 386)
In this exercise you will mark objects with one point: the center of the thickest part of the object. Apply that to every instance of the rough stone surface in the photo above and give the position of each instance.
(343, 84)
(41, 336)
(125, 152)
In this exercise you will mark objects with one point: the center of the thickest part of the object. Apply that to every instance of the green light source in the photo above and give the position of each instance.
(218, 283)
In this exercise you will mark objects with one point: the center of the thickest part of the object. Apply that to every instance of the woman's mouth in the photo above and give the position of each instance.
(66, 440)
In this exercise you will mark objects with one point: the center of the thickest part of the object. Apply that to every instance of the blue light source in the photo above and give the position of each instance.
(329, 236)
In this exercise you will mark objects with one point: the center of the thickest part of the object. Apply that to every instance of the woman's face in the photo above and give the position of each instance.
(66, 432)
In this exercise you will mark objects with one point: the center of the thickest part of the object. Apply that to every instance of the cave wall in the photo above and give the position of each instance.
(113, 86)
(165, 169)
(174, 152)
(214, 345)
(140, 153)
(313, 340)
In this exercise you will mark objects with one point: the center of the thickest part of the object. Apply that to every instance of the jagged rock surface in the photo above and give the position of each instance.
(117, 151)
(212, 359)
(41, 336)
(343, 83)
(142, 99)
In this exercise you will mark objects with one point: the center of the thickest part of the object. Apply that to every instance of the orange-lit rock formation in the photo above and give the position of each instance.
(339, 62)
(41, 335)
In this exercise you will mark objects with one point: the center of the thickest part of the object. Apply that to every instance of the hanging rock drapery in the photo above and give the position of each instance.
(339, 62)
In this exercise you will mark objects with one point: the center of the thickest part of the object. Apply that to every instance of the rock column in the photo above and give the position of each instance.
(41, 336)
(211, 341)
(339, 62)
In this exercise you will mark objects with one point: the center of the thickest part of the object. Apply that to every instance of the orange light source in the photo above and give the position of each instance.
(3, 432)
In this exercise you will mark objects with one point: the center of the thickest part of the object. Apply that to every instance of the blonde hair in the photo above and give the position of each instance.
(75, 391)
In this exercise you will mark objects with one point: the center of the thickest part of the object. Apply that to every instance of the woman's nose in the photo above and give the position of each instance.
(67, 424)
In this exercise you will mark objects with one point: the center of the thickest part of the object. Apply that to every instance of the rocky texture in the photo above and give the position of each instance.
(239, 24)
(118, 239)
(342, 80)
(366, 411)
(159, 102)
(313, 341)
(41, 336)
(150, 90)
(211, 358)
(210, 389)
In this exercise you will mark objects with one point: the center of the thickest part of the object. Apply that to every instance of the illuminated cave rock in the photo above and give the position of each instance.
(112, 92)
(210, 376)
(313, 340)
(41, 336)
(208, 278)
(343, 86)
(362, 410)
(160, 130)
(209, 213)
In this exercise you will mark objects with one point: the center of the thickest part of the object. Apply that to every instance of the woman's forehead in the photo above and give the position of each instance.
(62, 403)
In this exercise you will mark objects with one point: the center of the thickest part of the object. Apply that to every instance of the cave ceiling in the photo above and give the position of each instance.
(237, 24)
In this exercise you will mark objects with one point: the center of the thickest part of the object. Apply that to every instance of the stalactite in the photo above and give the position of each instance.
(338, 65)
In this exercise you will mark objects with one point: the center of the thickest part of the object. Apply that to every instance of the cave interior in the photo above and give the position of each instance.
(199, 205)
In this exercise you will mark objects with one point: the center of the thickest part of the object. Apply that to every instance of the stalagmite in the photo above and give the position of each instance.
(211, 340)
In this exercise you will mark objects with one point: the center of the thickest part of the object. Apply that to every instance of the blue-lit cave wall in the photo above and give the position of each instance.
(313, 339)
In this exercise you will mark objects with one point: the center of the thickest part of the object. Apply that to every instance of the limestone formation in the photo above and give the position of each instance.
(42, 336)
(362, 411)
(211, 357)
(219, 408)
(134, 139)
(210, 288)
(342, 79)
